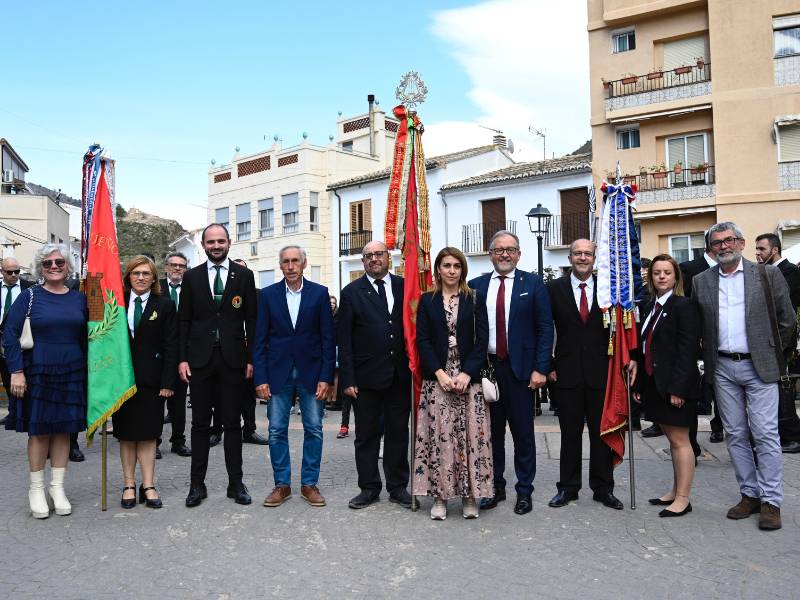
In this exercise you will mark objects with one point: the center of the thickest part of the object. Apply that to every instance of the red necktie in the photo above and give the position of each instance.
(502, 343)
(648, 352)
(584, 304)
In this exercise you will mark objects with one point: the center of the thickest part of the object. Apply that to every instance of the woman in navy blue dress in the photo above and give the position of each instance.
(48, 382)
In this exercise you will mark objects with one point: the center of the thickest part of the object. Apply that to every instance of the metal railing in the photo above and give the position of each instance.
(475, 238)
(670, 179)
(658, 80)
(565, 229)
(353, 242)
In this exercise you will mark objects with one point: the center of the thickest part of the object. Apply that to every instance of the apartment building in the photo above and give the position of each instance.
(699, 102)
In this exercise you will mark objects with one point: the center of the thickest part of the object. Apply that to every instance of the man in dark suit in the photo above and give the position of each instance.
(11, 288)
(520, 348)
(175, 265)
(768, 252)
(373, 370)
(295, 355)
(217, 317)
(578, 378)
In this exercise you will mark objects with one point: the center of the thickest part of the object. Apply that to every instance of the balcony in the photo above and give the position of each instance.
(669, 186)
(353, 243)
(475, 238)
(565, 229)
(659, 86)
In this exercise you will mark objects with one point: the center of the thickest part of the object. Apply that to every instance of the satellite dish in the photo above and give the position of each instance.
(510, 146)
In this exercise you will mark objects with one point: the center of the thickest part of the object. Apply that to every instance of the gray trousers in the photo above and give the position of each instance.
(750, 406)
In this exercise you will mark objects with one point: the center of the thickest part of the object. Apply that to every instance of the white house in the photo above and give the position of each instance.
(190, 245)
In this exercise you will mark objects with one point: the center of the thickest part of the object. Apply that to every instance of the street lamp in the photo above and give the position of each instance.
(539, 222)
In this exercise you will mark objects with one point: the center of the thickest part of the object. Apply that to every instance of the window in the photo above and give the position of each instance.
(690, 151)
(787, 35)
(628, 138)
(789, 143)
(222, 216)
(313, 212)
(52, 238)
(347, 146)
(289, 210)
(623, 41)
(266, 218)
(242, 222)
(266, 278)
(686, 246)
(361, 216)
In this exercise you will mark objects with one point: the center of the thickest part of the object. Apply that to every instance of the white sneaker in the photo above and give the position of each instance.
(439, 510)
(58, 499)
(36, 496)
(469, 508)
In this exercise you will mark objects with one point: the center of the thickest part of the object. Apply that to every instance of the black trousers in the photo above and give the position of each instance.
(347, 403)
(391, 408)
(575, 405)
(515, 406)
(217, 383)
(249, 409)
(176, 406)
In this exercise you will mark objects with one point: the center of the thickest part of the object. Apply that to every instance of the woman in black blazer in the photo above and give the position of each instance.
(153, 336)
(668, 381)
(453, 456)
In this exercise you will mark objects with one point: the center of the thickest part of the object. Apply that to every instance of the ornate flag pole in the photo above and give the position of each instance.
(407, 229)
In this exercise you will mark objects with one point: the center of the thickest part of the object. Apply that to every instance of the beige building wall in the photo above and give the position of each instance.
(36, 217)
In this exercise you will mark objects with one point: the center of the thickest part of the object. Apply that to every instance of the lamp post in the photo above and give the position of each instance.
(539, 222)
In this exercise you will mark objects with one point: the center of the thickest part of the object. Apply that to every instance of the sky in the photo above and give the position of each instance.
(166, 87)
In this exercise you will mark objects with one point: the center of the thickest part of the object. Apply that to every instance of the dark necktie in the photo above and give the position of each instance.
(584, 304)
(501, 342)
(648, 349)
(173, 293)
(219, 289)
(7, 303)
(382, 293)
(137, 312)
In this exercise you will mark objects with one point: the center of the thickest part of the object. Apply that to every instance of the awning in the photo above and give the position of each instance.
(675, 212)
(666, 113)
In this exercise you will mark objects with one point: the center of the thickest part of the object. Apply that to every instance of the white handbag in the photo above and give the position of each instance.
(26, 337)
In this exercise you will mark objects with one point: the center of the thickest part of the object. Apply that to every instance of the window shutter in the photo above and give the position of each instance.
(683, 52)
(314, 199)
(789, 136)
(695, 151)
(243, 213)
(354, 216)
(790, 238)
(676, 149)
(289, 203)
(265, 204)
(367, 218)
(222, 215)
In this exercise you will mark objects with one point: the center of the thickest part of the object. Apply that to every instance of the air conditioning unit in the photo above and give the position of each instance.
(8, 176)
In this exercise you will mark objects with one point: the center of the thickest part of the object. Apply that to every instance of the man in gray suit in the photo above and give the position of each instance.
(739, 353)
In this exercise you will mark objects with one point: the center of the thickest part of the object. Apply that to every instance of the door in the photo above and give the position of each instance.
(574, 217)
(493, 219)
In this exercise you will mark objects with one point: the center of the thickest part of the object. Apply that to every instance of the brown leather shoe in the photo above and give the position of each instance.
(770, 517)
(747, 506)
(310, 494)
(279, 495)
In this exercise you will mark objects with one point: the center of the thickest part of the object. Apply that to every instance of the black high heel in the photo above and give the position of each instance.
(143, 499)
(670, 513)
(128, 502)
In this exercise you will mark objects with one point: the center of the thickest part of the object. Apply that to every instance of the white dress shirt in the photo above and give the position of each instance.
(491, 305)
(661, 300)
(576, 290)
(223, 273)
(132, 308)
(387, 285)
(293, 301)
(711, 262)
(15, 291)
(732, 330)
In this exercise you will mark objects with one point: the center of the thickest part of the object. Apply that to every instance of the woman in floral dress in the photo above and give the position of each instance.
(453, 456)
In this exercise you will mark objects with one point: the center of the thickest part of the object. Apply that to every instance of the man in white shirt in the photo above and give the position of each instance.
(11, 288)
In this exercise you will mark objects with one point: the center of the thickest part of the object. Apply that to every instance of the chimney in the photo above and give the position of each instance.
(371, 102)
(500, 140)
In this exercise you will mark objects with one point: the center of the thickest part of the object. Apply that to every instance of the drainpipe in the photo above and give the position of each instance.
(371, 102)
(446, 228)
(339, 237)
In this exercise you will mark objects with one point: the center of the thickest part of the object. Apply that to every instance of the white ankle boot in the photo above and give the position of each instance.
(439, 510)
(470, 508)
(58, 498)
(36, 496)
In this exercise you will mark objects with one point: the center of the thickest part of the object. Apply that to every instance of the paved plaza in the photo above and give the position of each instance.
(222, 550)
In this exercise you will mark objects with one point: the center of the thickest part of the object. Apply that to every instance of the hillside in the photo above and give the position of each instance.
(142, 232)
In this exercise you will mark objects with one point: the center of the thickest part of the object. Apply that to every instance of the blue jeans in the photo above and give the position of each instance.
(278, 414)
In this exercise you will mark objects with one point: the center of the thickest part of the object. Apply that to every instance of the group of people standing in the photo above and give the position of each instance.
(229, 341)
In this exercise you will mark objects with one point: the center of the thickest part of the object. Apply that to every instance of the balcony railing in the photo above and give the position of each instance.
(565, 229)
(658, 80)
(670, 179)
(353, 242)
(475, 238)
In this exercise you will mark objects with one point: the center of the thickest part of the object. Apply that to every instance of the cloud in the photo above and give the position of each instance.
(528, 64)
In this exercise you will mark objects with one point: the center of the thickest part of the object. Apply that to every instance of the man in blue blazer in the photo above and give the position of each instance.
(294, 355)
(520, 348)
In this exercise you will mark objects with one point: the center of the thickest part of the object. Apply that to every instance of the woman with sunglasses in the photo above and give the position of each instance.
(48, 382)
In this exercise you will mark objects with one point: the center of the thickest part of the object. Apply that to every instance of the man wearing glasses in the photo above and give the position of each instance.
(373, 370)
(12, 286)
(741, 353)
(520, 347)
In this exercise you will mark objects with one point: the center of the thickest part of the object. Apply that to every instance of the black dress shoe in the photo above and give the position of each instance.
(143, 499)
(562, 498)
(669, 513)
(128, 502)
(499, 496)
(524, 505)
(181, 449)
(238, 491)
(790, 447)
(660, 502)
(75, 455)
(653, 431)
(364, 499)
(254, 438)
(214, 439)
(158, 453)
(610, 500)
(401, 497)
(197, 493)
(716, 437)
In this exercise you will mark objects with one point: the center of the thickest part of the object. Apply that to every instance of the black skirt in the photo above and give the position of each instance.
(141, 417)
(660, 410)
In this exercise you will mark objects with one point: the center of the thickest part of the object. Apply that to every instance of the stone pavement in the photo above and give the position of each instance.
(221, 550)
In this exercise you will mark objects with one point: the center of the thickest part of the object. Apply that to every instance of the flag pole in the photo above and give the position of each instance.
(104, 471)
(412, 447)
(630, 445)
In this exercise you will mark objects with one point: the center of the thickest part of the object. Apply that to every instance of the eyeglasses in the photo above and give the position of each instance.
(142, 274)
(587, 254)
(379, 254)
(11, 272)
(728, 241)
(47, 263)
(500, 251)
(176, 266)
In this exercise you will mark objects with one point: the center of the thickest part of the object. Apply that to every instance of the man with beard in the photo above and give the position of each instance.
(217, 317)
(741, 353)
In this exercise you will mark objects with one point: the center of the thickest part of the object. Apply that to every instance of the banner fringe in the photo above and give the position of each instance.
(106, 415)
